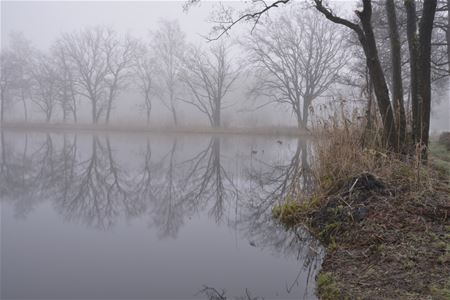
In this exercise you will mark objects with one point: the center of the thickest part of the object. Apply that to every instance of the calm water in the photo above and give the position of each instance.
(123, 216)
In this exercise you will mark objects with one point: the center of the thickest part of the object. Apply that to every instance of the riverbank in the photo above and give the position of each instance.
(384, 222)
(142, 129)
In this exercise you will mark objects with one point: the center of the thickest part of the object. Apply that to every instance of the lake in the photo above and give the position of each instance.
(136, 216)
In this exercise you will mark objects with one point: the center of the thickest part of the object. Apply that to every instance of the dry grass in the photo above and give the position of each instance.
(384, 219)
(341, 154)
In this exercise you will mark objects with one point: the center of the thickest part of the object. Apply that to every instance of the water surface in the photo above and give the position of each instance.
(120, 216)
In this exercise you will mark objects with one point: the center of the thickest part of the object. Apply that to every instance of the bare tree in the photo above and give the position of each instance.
(208, 76)
(23, 55)
(396, 60)
(297, 58)
(169, 42)
(67, 94)
(45, 85)
(145, 72)
(119, 53)
(8, 77)
(86, 54)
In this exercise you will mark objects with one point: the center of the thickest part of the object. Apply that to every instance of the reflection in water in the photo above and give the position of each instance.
(168, 181)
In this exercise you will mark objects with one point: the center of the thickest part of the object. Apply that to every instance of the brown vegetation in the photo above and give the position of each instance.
(383, 218)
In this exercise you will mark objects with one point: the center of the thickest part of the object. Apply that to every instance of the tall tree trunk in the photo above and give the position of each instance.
(216, 115)
(109, 107)
(174, 115)
(376, 73)
(108, 110)
(94, 112)
(367, 40)
(148, 106)
(24, 103)
(425, 35)
(396, 60)
(306, 104)
(411, 32)
(172, 108)
(74, 111)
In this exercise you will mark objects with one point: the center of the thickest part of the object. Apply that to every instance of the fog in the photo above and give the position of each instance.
(150, 149)
(43, 23)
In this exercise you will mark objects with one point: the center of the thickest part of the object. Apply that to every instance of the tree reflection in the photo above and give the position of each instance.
(86, 182)
(91, 186)
(275, 182)
(207, 180)
(100, 192)
(168, 215)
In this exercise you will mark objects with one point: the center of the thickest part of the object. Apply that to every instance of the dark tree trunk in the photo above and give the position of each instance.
(367, 40)
(306, 104)
(24, 103)
(411, 31)
(174, 115)
(216, 116)
(425, 35)
(376, 73)
(94, 112)
(396, 59)
(108, 110)
(48, 116)
(172, 107)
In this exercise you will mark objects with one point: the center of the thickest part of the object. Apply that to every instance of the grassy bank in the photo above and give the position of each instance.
(384, 221)
(143, 129)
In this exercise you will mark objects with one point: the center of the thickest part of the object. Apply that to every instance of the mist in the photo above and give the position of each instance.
(245, 150)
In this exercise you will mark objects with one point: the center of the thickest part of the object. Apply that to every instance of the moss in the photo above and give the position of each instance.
(327, 287)
(327, 233)
(287, 213)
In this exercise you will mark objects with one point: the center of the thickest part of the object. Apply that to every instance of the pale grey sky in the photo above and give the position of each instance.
(43, 21)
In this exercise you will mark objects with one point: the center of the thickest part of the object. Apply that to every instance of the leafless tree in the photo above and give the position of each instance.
(8, 77)
(297, 58)
(119, 53)
(440, 61)
(45, 85)
(85, 52)
(168, 43)
(67, 93)
(145, 72)
(208, 75)
(23, 54)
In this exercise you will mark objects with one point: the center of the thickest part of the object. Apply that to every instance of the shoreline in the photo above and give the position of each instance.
(386, 234)
(143, 129)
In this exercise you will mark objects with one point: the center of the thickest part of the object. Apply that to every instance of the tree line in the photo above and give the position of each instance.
(393, 52)
(401, 44)
(290, 62)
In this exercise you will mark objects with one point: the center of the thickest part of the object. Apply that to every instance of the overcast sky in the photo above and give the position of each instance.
(42, 21)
